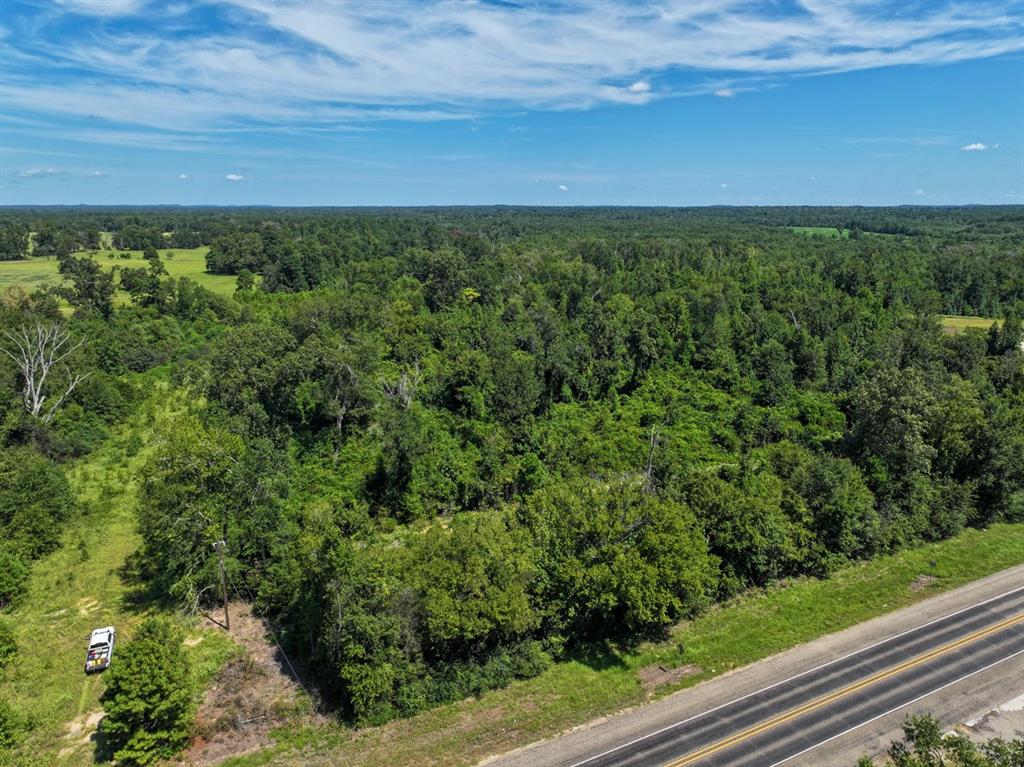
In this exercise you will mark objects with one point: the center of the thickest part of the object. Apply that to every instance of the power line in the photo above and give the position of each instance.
(270, 627)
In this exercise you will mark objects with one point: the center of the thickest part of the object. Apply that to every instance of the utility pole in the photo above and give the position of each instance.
(219, 547)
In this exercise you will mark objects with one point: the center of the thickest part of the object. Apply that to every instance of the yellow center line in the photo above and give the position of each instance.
(843, 692)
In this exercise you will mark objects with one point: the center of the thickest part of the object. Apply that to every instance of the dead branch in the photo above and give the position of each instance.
(37, 351)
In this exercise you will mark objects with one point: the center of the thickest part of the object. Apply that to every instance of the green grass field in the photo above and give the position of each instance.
(80, 587)
(35, 272)
(751, 627)
(823, 231)
(952, 324)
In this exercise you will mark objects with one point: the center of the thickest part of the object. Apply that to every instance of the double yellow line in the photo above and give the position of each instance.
(824, 700)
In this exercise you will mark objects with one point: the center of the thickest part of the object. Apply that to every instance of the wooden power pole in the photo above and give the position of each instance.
(219, 546)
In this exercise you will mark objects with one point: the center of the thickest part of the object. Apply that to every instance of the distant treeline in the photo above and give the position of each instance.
(970, 255)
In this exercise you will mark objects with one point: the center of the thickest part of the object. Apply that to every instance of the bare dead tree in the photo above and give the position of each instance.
(649, 469)
(403, 391)
(39, 351)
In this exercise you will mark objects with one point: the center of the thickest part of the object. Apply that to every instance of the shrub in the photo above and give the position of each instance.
(13, 576)
(12, 726)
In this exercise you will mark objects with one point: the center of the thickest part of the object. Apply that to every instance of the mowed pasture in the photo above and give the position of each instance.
(37, 271)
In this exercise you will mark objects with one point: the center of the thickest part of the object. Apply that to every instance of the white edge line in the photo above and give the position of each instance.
(797, 676)
(897, 708)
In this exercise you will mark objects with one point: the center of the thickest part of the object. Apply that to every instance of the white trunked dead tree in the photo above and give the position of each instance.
(39, 351)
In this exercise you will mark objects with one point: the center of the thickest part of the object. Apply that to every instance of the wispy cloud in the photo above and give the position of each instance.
(102, 7)
(235, 177)
(977, 146)
(563, 188)
(304, 66)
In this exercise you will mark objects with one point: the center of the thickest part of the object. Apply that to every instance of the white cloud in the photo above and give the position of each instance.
(40, 172)
(563, 188)
(724, 186)
(98, 174)
(919, 193)
(725, 93)
(640, 86)
(183, 176)
(235, 177)
(975, 147)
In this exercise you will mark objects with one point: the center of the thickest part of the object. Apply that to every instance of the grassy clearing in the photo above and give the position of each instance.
(952, 324)
(823, 231)
(753, 626)
(76, 589)
(35, 272)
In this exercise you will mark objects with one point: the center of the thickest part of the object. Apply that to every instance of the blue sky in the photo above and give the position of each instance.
(569, 103)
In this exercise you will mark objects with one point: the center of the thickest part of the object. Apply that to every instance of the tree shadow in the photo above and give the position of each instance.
(141, 592)
(103, 749)
(599, 655)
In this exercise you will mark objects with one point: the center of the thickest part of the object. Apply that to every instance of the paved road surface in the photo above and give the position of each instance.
(940, 648)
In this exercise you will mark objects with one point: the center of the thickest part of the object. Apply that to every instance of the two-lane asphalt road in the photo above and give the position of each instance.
(787, 719)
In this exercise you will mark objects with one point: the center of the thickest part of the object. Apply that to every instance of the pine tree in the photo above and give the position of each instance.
(148, 698)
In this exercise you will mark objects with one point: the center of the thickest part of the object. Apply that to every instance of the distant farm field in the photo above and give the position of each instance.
(35, 272)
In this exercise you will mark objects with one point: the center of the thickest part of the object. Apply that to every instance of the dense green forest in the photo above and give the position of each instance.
(448, 446)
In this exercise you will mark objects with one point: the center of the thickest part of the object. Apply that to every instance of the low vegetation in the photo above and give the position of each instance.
(955, 324)
(83, 583)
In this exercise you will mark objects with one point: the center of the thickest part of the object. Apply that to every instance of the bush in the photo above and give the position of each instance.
(148, 697)
(12, 726)
(13, 577)
(8, 647)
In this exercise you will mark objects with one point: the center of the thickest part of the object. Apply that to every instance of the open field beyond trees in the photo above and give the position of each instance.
(37, 271)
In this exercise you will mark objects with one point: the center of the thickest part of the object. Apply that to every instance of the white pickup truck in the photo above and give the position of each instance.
(101, 649)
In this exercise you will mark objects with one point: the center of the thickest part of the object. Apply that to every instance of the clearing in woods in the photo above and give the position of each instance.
(36, 271)
(821, 231)
(953, 324)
